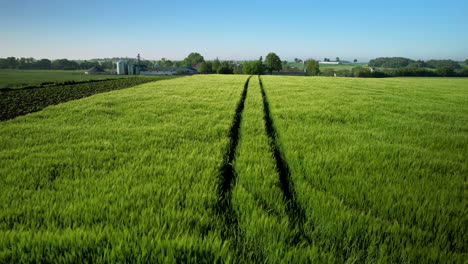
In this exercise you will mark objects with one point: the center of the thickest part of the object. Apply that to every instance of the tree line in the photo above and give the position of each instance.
(388, 67)
(366, 72)
(400, 62)
(271, 63)
(46, 64)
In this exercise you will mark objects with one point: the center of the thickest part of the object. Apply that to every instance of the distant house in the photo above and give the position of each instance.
(330, 62)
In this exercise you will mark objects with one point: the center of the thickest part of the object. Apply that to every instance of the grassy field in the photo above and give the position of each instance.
(19, 78)
(16, 102)
(119, 176)
(230, 169)
(379, 165)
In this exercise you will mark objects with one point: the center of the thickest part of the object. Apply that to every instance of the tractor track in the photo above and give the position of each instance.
(227, 180)
(296, 213)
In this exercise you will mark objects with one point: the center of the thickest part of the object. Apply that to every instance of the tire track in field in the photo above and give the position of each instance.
(295, 212)
(227, 176)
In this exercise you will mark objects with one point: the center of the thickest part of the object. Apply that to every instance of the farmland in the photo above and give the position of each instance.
(20, 78)
(241, 169)
(16, 102)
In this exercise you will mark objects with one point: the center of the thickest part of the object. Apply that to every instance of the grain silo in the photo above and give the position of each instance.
(131, 69)
(120, 67)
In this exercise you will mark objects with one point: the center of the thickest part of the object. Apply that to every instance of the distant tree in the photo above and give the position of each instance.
(65, 64)
(285, 63)
(216, 64)
(192, 59)
(273, 63)
(209, 66)
(12, 62)
(165, 63)
(252, 67)
(3, 63)
(417, 64)
(26, 63)
(44, 64)
(109, 65)
(361, 72)
(312, 67)
(203, 68)
(296, 60)
(463, 72)
(442, 63)
(445, 71)
(338, 59)
(466, 62)
(260, 66)
(225, 68)
(84, 65)
(393, 62)
(355, 60)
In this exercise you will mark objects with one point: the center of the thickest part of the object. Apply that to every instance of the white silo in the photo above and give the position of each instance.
(120, 67)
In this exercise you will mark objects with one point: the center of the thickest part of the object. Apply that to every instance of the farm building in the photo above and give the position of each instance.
(95, 70)
(131, 69)
(121, 68)
(330, 62)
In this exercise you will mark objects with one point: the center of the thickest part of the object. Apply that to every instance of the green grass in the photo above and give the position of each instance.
(379, 165)
(119, 176)
(19, 78)
(16, 102)
(347, 171)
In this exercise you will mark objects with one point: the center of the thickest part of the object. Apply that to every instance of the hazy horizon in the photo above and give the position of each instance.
(241, 30)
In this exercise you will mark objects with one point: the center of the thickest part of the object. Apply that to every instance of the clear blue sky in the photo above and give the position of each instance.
(239, 29)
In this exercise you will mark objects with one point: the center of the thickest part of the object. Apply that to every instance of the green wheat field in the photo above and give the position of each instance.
(241, 169)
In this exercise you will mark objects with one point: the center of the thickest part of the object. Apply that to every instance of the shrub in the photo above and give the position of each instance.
(445, 72)
(361, 72)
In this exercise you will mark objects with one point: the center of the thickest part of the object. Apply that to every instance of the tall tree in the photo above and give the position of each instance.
(216, 64)
(12, 62)
(355, 60)
(192, 59)
(338, 59)
(312, 67)
(203, 68)
(273, 63)
(252, 67)
(165, 63)
(225, 68)
(44, 64)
